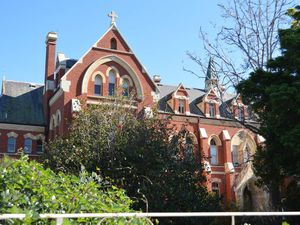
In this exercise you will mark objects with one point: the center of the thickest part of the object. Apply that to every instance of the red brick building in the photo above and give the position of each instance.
(30, 113)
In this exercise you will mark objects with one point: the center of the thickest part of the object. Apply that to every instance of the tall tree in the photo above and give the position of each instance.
(247, 39)
(274, 96)
(143, 155)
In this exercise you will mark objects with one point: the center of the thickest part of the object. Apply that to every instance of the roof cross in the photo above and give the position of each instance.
(113, 17)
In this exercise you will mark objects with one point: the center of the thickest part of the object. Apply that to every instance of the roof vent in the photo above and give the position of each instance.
(156, 79)
(32, 85)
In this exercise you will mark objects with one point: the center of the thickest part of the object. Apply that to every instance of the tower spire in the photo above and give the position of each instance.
(211, 79)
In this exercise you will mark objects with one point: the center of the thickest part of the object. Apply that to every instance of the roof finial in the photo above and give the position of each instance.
(113, 17)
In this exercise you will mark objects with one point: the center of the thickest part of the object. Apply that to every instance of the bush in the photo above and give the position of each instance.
(26, 187)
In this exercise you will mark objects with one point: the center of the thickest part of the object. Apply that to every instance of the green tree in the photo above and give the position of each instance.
(274, 96)
(160, 172)
(26, 187)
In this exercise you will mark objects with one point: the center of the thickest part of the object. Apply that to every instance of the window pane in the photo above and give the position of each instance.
(39, 146)
(111, 89)
(11, 145)
(27, 145)
(211, 110)
(125, 87)
(235, 155)
(213, 154)
(181, 106)
(98, 89)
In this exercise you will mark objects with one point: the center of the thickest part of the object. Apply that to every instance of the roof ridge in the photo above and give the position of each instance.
(24, 82)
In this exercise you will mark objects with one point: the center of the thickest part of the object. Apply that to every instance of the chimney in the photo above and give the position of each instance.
(50, 55)
(49, 73)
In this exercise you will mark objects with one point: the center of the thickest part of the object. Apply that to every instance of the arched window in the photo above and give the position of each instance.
(113, 44)
(125, 87)
(215, 188)
(213, 152)
(241, 114)
(212, 112)
(39, 146)
(111, 82)
(27, 145)
(11, 145)
(98, 85)
(181, 106)
(189, 148)
(235, 155)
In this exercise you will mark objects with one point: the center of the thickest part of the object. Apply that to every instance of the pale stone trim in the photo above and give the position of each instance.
(91, 102)
(100, 74)
(126, 77)
(29, 135)
(226, 135)
(12, 134)
(260, 139)
(125, 65)
(203, 133)
(216, 180)
(55, 97)
(217, 172)
(40, 137)
(7, 126)
(58, 117)
(112, 68)
(216, 138)
(229, 168)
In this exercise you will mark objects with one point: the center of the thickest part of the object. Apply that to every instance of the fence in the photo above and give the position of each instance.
(59, 217)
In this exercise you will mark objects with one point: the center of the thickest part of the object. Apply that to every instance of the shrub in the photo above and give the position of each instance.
(26, 187)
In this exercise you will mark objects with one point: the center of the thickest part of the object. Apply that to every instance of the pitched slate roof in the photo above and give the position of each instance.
(21, 103)
(167, 90)
(195, 97)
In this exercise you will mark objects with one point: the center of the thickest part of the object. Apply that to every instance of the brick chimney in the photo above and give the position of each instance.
(49, 73)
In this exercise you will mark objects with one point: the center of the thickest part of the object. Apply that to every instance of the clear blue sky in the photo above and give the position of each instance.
(158, 31)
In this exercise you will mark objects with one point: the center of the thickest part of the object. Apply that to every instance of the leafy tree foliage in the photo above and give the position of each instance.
(26, 187)
(144, 156)
(275, 97)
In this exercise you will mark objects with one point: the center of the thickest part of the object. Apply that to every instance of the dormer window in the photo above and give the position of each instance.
(212, 112)
(181, 106)
(240, 113)
(113, 44)
(98, 85)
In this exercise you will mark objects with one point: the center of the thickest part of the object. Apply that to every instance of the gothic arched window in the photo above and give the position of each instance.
(98, 85)
(113, 44)
(125, 87)
(111, 82)
(213, 152)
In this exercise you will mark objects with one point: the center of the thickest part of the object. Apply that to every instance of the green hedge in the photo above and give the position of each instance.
(26, 187)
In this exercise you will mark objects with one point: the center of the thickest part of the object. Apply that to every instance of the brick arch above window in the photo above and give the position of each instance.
(121, 62)
(216, 139)
(98, 73)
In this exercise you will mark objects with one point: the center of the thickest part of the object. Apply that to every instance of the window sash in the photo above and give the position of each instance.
(213, 155)
(98, 89)
(11, 145)
(111, 89)
(212, 112)
(27, 145)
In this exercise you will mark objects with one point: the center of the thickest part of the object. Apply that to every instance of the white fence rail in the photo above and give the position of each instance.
(59, 217)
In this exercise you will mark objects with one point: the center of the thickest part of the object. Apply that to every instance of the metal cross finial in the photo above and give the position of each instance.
(113, 17)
